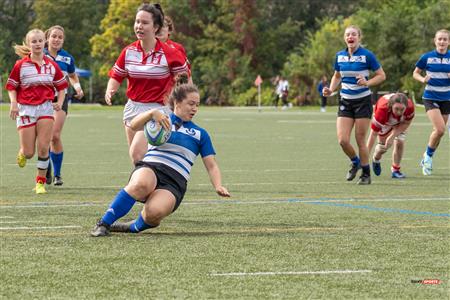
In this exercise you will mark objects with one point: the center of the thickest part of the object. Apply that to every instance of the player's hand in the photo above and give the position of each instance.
(162, 119)
(57, 106)
(361, 80)
(222, 191)
(426, 79)
(108, 96)
(14, 110)
(80, 94)
(381, 149)
(326, 91)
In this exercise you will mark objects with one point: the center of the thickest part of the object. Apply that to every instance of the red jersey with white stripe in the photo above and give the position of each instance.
(384, 119)
(150, 76)
(36, 84)
(180, 48)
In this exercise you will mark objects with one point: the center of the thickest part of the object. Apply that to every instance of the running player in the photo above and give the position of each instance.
(55, 40)
(436, 96)
(392, 117)
(31, 88)
(352, 66)
(160, 179)
(150, 67)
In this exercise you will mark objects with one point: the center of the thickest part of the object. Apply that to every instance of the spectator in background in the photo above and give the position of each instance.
(436, 96)
(283, 91)
(323, 100)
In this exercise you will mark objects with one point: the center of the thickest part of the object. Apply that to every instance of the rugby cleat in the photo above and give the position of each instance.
(58, 180)
(364, 179)
(376, 167)
(40, 188)
(21, 160)
(100, 229)
(398, 175)
(352, 172)
(121, 226)
(426, 164)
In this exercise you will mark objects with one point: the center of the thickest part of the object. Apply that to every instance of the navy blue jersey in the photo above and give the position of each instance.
(186, 142)
(359, 63)
(437, 66)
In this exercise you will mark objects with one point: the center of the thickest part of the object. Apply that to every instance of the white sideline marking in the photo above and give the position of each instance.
(15, 222)
(37, 228)
(6, 217)
(292, 273)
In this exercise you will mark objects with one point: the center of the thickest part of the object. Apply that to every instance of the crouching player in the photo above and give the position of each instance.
(393, 115)
(160, 179)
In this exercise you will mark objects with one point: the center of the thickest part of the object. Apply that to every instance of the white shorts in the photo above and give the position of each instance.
(30, 114)
(133, 108)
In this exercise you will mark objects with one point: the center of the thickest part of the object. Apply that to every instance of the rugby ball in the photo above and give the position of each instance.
(156, 134)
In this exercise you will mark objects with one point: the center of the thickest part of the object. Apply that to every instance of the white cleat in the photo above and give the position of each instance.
(426, 164)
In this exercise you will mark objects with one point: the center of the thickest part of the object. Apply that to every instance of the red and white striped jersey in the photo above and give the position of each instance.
(150, 76)
(36, 84)
(384, 119)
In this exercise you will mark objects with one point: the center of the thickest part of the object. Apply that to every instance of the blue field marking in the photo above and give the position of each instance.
(392, 210)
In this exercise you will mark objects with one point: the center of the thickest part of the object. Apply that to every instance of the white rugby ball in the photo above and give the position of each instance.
(156, 134)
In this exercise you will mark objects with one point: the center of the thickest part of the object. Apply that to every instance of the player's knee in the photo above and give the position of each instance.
(344, 142)
(56, 137)
(139, 188)
(440, 131)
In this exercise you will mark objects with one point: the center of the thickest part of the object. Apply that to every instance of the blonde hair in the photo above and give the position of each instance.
(356, 28)
(25, 49)
(443, 31)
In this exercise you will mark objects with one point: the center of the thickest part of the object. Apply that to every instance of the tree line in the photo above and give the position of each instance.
(229, 43)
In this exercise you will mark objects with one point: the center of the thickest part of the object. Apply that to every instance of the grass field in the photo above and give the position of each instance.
(293, 229)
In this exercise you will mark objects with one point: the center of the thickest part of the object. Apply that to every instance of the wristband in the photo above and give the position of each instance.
(77, 86)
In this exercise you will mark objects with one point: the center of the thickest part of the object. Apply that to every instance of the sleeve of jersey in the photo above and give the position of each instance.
(336, 65)
(421, 63)
(178, 63)
(410, 112)
(206, 147)
(14, 78)
(71, 67)
(118, 72)
(378, 120)
(59, 81)
(373, 62)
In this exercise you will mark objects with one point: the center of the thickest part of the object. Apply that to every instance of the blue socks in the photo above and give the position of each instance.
(430, 151)
(140, 225)
(355, 161)
(120, 206)
(57, 159)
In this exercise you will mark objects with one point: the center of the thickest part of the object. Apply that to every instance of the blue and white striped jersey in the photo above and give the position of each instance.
(64, 60)
(349, 67)
(182, 148)
(437, 67)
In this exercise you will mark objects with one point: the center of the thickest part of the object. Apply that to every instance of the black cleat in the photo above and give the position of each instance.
(352, 172)
(100, 229)
(58, 180)
(364, 179)
(48, 175)
(121, 226)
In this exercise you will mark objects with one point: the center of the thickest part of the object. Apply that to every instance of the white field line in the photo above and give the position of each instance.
(292, 273)
(6, 217)
(215, 201)
(39, 228)
(15, 222)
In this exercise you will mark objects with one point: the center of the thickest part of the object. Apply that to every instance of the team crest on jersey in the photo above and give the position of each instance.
(64, 59)
(438, 61)
(354, 58)
(191, 132)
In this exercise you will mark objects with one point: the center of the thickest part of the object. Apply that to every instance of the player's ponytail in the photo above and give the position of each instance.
(157, 14)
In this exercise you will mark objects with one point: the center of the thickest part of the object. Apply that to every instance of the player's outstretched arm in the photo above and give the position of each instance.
(139, 121)
(214, 175)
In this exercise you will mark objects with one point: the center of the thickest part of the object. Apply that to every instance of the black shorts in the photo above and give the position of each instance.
(358, 108)
(443, 106)
(65, 106)
(166, 179)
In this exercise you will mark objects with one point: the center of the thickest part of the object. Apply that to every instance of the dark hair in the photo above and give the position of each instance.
(398, 98)
(181, 90)
(156, 11)
(169, 23)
